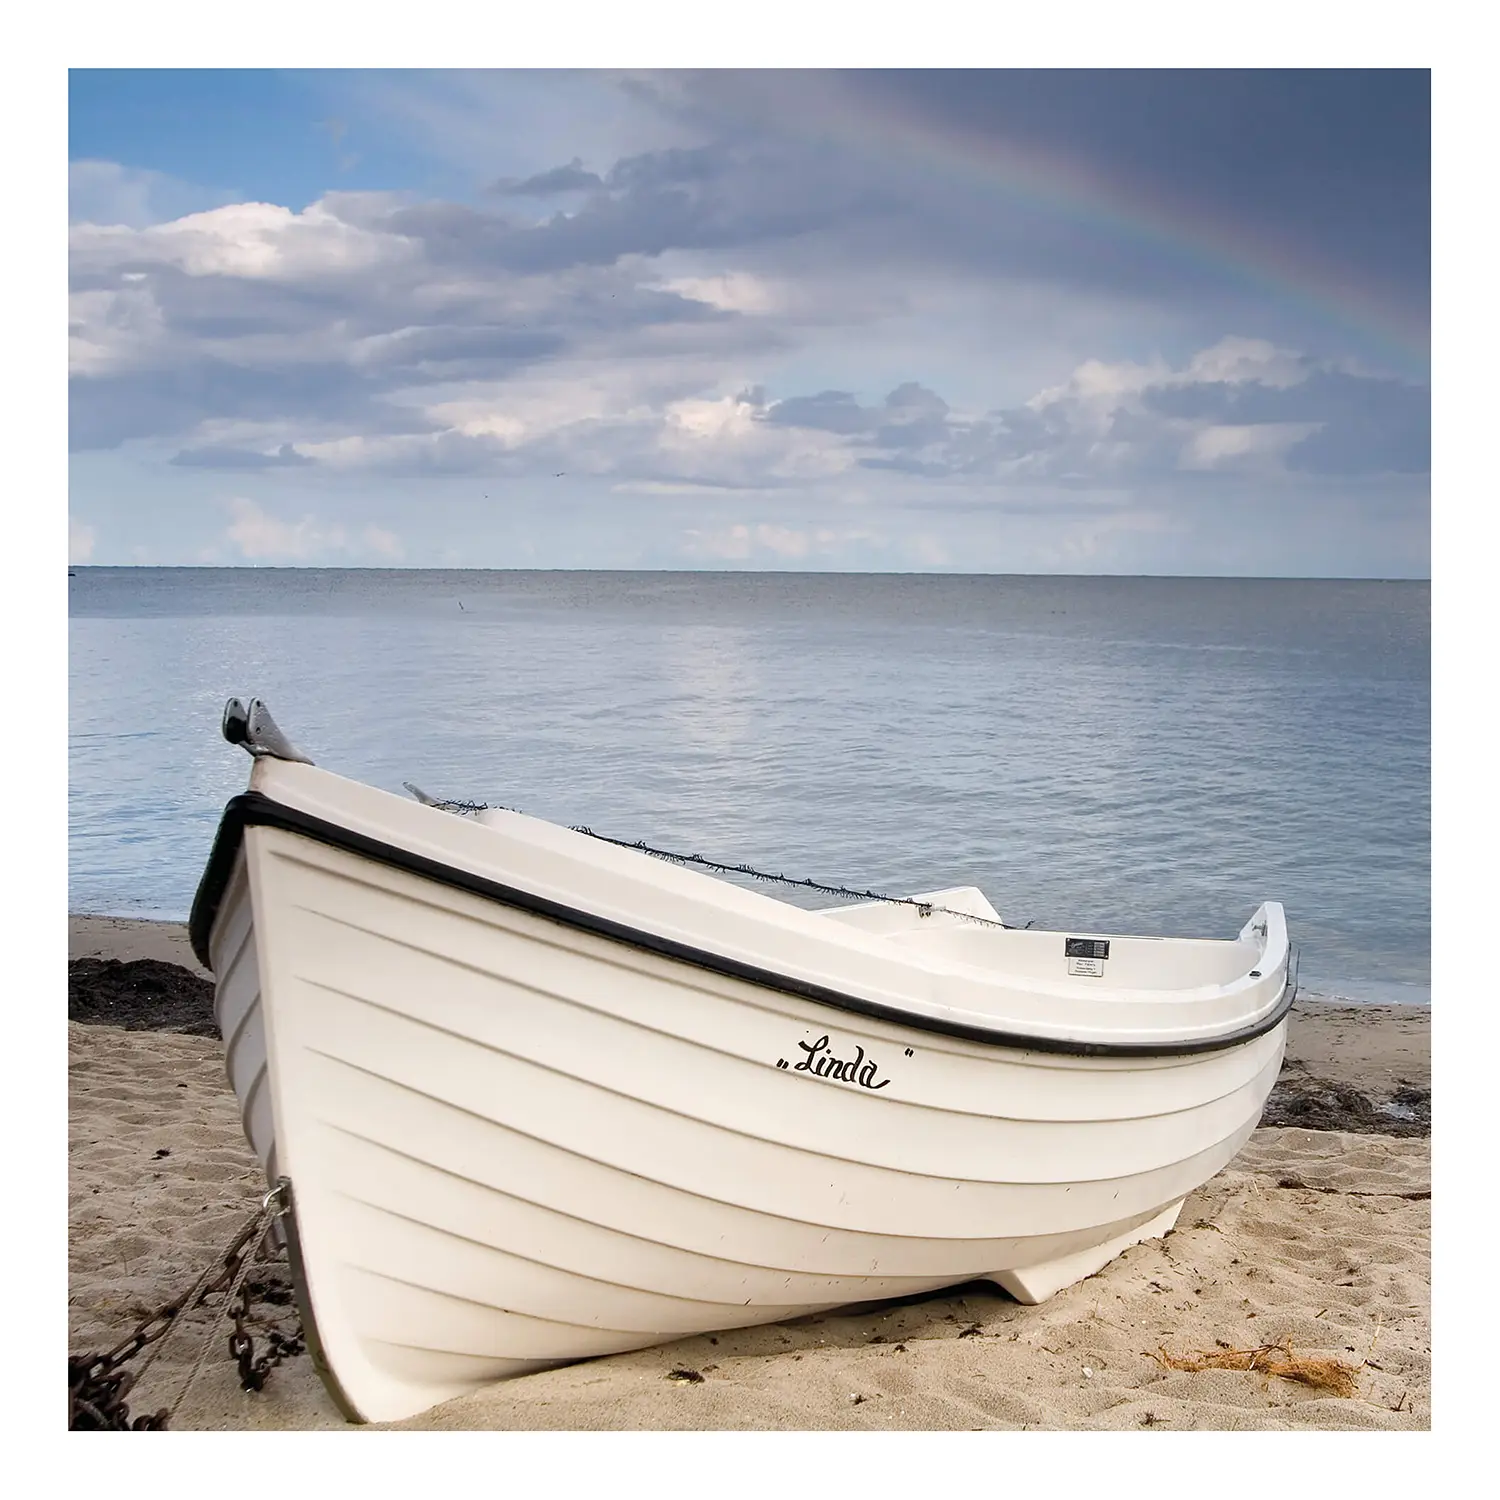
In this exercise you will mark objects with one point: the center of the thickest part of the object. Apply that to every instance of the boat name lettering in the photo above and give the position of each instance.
(823, 1064)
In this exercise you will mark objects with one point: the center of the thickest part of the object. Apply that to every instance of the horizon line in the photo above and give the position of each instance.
(74, 568)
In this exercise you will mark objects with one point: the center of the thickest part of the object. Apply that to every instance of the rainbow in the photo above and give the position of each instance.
(1143, 213)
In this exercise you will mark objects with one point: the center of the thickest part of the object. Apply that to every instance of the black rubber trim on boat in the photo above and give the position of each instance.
(255, 809)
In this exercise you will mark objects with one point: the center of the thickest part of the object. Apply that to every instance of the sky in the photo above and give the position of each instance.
(1082, 321)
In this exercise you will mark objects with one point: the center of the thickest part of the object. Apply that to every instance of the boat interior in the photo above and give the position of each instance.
(1134, 963)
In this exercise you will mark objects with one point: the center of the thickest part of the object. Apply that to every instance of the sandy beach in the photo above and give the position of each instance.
(1316, 1236)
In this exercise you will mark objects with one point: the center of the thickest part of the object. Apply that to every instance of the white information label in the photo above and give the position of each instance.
(1093, 967)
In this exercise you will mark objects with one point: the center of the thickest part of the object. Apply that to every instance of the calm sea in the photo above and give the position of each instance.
(1127, 755)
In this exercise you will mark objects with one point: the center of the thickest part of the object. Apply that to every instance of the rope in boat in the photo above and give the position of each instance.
(698, 861)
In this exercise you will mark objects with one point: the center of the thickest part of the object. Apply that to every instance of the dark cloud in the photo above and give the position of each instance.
(286, 456)
(905, 463)
(418, 300)
(913, 418)
(910, 417)
(1321, 169)
(105, 411)
(647, 172)
(221, 309)
(670, 168)
(572, 178)
(733, 209)
(341, 321)
(464, 351)
(1334, 161)
(828, 411)
(1368, 425)
(1329, 423)
(718, 197)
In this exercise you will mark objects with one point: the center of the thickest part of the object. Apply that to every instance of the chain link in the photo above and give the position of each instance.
(99, 1384)
(280, 1344)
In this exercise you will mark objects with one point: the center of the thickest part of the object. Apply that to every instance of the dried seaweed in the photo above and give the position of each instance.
(1332, 1375)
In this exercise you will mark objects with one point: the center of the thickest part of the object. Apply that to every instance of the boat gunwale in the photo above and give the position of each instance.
(256, 809)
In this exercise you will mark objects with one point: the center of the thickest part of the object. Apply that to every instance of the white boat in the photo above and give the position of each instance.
(539, 1098)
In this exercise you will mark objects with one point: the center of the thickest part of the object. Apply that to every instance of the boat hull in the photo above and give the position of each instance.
(512, 1144)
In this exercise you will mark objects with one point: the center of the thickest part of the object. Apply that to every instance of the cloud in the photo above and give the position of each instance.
(733, 292)
(257, 535)
(1131, 180)
(775, 543)
(286, 456)
(929, 551)
(1241, 406)
(857, 305)
(243, 240)
(914, 417)
(1250, 447)
(571, 178)
(385, 543)
(910, 417)
(506, 402)
(828, 411)
(81, 539)
(324, 323)
(1355, 424)
(628, 341)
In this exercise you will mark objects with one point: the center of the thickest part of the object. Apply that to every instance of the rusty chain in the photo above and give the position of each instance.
(279, 1343)
(99, 1384)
